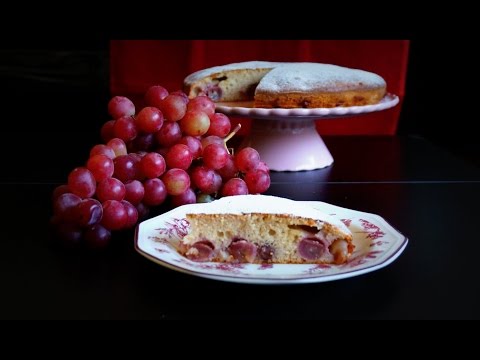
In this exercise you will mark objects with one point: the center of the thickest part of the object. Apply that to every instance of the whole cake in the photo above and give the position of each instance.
(265, 229)
(287, 85)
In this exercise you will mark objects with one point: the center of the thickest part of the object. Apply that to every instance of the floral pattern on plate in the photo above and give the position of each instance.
(377, 244)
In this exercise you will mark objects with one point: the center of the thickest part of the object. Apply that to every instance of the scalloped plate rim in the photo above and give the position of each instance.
(387, 102)
(301, 279)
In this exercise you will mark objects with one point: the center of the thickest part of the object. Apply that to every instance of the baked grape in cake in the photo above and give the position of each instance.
(260, 228)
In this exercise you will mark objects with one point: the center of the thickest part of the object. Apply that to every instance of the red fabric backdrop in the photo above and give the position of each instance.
(137, 64)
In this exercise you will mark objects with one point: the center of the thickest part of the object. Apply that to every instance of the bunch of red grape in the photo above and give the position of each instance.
(174, 148)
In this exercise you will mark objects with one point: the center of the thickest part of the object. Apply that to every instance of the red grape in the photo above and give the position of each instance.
(153, 165)
(193, 144)
(235, 186)
(173, 107)
(102, 150)
(179, 156)
(149, 120)
(182, 95)
(229, 170)
(101, 167)
(257, 181)
(176, 181)
(64, 206)
(155, 192)
(212, 139)
(88, 212)
(97, 237)
(215, 156)
(217, 182)
(247, 159)
(202, 103)
(188, 197)
(134, 192)
(206, 180)
(82, 182)
(124, 128)
(132, 215)
(155, 94)
(118, 146)
(195, 123)
(111, 189)
(169, 134)
(120, 106)
(125, 168)
(114, 215)
(136, 157)
(264, 167)
(219, 125)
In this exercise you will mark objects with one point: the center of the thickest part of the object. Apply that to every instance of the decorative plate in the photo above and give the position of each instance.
(377, 244)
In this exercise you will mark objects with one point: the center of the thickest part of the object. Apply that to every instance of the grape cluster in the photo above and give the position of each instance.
(173, 149)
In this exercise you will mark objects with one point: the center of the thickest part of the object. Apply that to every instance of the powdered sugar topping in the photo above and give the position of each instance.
(291, 77)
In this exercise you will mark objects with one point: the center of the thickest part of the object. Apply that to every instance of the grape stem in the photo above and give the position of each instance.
(232, 134)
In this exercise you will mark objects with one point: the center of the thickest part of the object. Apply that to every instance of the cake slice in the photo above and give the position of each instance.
(231, 82)
(265, 229)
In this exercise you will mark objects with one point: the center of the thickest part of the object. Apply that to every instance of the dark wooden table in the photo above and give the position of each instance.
(429, 195)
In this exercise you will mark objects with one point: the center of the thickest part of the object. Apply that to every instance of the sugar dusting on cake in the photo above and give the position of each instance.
(291, 77)
(196, 76)
(244, 204)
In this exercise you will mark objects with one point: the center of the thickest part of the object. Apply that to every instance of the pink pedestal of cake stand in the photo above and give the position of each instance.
(287, 139)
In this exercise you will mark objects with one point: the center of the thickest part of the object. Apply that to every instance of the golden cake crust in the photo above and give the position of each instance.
(319, 99)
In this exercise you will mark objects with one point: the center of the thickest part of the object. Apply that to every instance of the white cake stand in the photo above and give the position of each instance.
(287, 139)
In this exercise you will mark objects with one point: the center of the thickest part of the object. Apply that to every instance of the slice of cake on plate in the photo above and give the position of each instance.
(265, 229)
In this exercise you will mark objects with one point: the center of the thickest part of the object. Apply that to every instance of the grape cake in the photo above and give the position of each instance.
(287, 85)
(265, 229)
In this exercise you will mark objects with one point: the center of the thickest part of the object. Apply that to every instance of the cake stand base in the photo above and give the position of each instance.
(289, 144)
